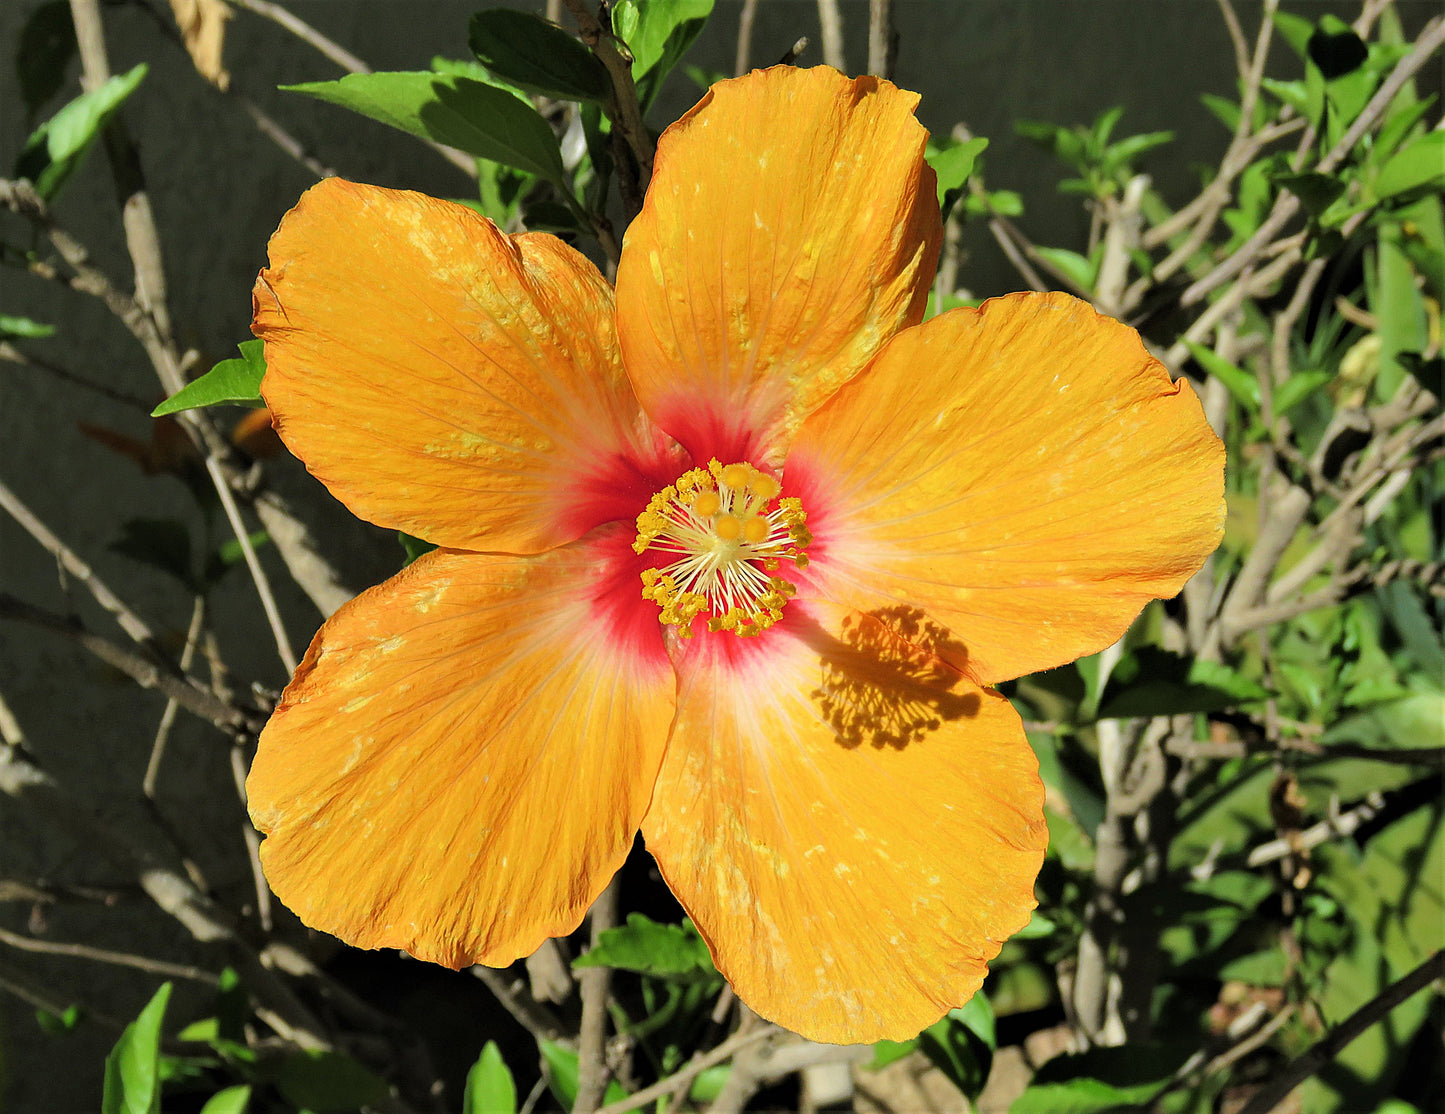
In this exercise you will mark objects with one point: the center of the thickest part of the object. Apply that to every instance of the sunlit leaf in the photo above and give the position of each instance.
(55, 149)
(489, 1088)
(132, 1070)
(537, 55)
(237, 380)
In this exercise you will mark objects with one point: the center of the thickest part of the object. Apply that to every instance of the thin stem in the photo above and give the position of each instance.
(258, 576)
(882, 39)
(103, 955)
(168, 717)
(683, 1077)
(742, 61)
(596, 986)
(1302, 1067)
(830, 21)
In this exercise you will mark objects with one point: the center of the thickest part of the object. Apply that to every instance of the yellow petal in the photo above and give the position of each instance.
(854, 827)
(790, 229)
(464, 755)
(1026, 474)
(447, 380)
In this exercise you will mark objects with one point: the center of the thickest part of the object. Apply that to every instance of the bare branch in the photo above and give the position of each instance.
(882, 39)
(831, 24)
(596, 986)
(1305, 1065)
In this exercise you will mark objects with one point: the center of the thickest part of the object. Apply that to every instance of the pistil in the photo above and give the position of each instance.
(728, 533)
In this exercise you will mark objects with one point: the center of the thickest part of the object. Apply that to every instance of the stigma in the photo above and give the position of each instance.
(727, 535)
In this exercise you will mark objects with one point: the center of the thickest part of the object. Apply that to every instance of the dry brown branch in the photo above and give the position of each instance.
(596, 986)
(624, 109)
(516, 998)
(188, 692)
(742, 60)
(104, 955)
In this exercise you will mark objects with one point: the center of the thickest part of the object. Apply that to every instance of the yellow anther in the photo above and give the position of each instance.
(764, 486)
(722, 545)
(735, 476)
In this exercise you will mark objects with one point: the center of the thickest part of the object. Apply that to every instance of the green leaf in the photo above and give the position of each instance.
(480, 119)
(230, 552)
(59, 1024)
(1239, 382)
(1223, 109)
(47, 44)
(236, 380)
(1295, 30)
(1081, 1096)
(1299, 387)
(660, 32)
(1317, 192)
(413, 546)
(489, 1089)
(888, 1052)
(561, 1068)
(1077, 269)
(326, 1081)
(1150, 681)
(669, 951)
(23, 328)
(1038, 926)
(132, 1070)
(1419, 165)
(961, 1045)
(55, 149)
(953, 165)
(233, 1100)
(709, 1083)
(537, 55)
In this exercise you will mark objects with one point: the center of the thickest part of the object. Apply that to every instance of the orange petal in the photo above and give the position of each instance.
(445, 379)
(1025, 473)
(854, 827)
(790, 229)
(464, 756)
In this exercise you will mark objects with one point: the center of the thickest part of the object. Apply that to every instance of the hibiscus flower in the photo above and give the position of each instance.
(729, 555)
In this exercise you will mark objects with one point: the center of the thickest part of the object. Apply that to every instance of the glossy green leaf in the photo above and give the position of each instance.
(480, 119)
(237, 380)
(326, 1082)
(961, 1045)
(537, 55)
(1417, 166)
(953, 165)
(233, 1100)
(132, 1070)
(669, 951)
(55, 149)
(561, 1068)
(1039, 926)
(490, 1088)
(1075, 268)
(659, 34)
(22, 328)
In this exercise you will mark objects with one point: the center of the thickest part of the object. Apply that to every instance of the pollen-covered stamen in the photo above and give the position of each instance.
(728, 533)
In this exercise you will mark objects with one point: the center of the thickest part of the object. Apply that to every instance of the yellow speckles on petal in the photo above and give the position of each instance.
(357, 703)
(656, 264)
(432, 595)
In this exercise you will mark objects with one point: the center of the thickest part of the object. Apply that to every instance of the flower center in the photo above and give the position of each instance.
(727, 533)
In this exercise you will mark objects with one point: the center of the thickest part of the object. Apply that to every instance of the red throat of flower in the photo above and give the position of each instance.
(724, 533)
